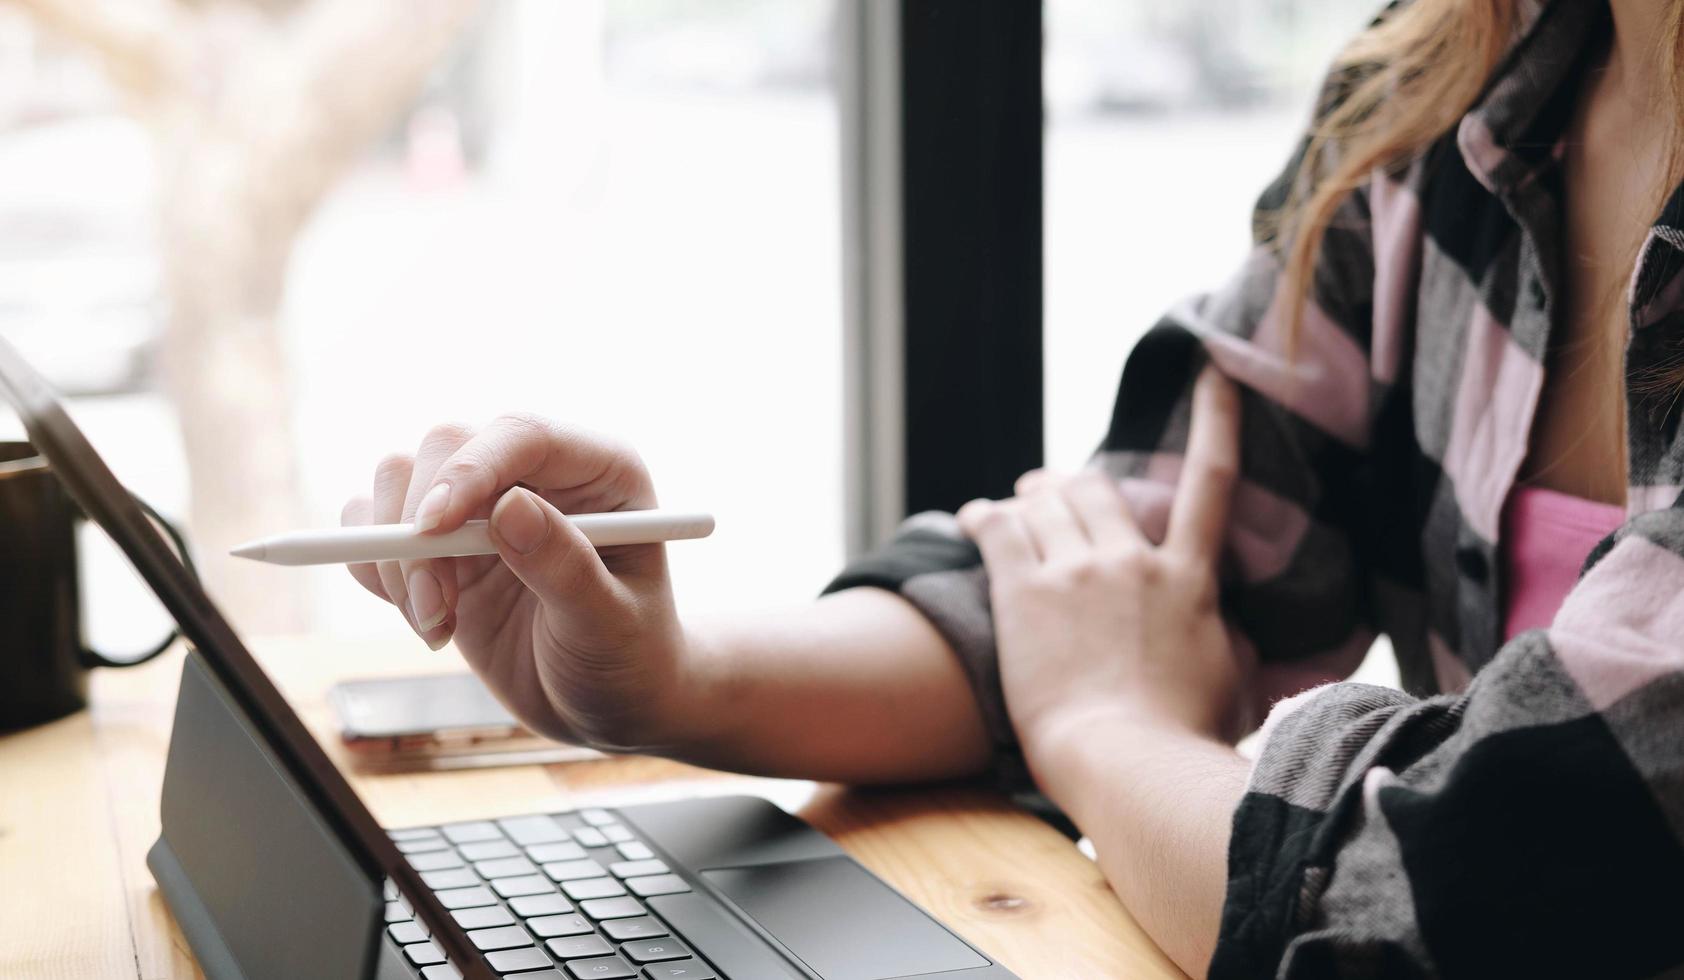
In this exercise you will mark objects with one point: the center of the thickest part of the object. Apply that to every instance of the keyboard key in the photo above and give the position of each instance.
(607, 968)
(537, 829)
(391, 890)
(623, 907)
(441, 971)
(405, 933)
(597, 818)
(465, 898)
(545, 926)
(642, 927)
(412, 833)
(396, 912)
(527, 906)
(505, 867)
(540, 975)
(467, 833)
(434, 860)
(525, 885)
(578, 947)
(423, 954)
(449, 878)
(657, 885)
(418, 845)
(590, 837)
(484, 917)
(636, 869)
(559, 851)
(634, 850)
(486, 850)
(569, 870)
(616, 833)
(504, 937)
(585, 888)
(655, 950)
(510, 960)
(680, 970)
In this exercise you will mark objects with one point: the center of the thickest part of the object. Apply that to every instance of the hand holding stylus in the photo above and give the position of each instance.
(582, 645)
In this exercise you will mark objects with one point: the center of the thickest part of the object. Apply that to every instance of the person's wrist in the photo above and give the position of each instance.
(1055, 729)
(654, 710)
(689, 713)
(1062, 745)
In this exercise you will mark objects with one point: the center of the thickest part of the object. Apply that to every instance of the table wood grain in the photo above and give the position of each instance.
(79, 808)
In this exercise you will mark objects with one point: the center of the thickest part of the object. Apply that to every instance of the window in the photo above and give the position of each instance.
(620, 214)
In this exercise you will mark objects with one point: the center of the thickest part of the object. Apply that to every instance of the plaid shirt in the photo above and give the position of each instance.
(1517, 810)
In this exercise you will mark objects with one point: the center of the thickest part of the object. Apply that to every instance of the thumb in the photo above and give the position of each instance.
(545, 551)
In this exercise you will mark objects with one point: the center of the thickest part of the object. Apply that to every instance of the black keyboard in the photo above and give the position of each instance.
(546, 897)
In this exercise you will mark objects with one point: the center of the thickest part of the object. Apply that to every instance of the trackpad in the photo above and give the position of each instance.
(842, 922)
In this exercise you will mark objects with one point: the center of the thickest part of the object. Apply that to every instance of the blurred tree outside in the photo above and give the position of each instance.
(256, 108)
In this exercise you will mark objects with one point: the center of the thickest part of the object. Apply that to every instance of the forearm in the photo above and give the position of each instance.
(857, 687)
(1157, 804)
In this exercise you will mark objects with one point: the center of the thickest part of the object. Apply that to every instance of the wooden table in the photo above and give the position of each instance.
(79, 808)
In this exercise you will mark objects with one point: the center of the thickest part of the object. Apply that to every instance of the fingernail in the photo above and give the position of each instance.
(438, 642)
(432, 507)
(426, 599)
(519, 521)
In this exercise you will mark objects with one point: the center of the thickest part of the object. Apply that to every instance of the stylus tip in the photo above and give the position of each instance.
(251, 549)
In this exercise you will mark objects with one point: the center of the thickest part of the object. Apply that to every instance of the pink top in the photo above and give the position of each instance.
(1546, 537)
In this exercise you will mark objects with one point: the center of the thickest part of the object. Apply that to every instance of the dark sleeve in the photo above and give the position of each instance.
(1530, 827)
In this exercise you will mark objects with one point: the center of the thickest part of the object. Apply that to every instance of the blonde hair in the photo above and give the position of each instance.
(1408, 80)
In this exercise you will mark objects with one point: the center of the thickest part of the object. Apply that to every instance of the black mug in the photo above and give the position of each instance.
(44, 662)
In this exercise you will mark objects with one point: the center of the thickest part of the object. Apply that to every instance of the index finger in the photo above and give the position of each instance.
(1198, 518)
(358, 511)
(577, 470)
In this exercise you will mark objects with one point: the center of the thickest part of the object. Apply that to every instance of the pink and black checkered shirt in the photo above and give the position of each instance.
(1518, 809)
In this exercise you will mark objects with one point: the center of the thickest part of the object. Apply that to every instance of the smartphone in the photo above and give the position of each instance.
(436, 721)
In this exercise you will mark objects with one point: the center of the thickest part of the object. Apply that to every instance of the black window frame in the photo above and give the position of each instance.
(942, 117)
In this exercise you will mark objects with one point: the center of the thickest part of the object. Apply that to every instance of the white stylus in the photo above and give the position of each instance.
(390, 542)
